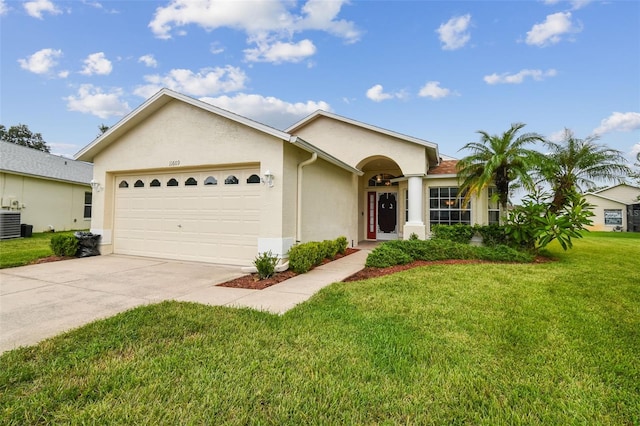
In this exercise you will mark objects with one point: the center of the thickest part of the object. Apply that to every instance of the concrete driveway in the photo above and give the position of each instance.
(41, 301)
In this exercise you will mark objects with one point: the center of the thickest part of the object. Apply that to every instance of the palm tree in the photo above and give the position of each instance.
(498, 160)
(574, 164)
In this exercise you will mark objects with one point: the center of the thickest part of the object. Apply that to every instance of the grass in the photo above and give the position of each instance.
(22, 251)
(553, 343)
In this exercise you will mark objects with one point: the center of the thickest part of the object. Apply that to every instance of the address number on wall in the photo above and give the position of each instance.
(174, 163)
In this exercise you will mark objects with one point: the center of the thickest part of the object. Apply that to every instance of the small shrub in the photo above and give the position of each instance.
(387, 255)
(266, 263)
(342, 243)
(329, 249)
(492, 235)
(303, 257)
(502, 253)
(413, 236)
(64, 245)
(458, 233)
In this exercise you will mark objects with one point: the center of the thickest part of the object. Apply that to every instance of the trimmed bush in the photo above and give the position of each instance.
(266, 263)
(329, 248)
(303, 257)
(64, 245)
(458, 233)
(342, 243)
(399, 252)
(387, 255)
(492, 235)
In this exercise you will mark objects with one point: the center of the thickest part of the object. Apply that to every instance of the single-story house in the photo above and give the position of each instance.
(49, 191)
(179, 178)
(616, 208)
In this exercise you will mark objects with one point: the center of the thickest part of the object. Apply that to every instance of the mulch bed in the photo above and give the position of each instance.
(252, 282)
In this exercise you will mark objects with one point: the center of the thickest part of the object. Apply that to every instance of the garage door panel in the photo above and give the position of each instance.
(212, 223)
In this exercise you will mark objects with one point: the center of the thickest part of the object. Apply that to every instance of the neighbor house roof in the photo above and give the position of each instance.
(603, 193)
(321, 113)
(165, 96)
(22, 160)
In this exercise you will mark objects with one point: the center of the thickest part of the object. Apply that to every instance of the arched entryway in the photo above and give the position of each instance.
(381, 191)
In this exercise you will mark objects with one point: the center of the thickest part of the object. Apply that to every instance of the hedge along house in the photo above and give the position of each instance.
(49, 191)
(179, 178)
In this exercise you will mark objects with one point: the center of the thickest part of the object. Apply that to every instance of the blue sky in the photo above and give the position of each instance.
(436, 70)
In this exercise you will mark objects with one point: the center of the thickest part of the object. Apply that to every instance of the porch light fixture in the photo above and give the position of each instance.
(268, 178)
(95, 185)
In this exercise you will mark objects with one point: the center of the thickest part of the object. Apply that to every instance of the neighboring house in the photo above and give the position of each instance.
(49, 191)
(183, 179)
(616, 208)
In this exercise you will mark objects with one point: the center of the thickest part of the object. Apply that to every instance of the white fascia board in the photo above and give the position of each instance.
(325, 156)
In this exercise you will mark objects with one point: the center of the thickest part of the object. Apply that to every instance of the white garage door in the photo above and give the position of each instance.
(210, 216)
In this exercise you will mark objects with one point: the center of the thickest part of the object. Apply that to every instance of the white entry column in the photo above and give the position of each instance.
(415, 224)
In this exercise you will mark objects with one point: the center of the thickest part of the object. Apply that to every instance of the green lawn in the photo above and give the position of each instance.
(22, 251)
(489, 344)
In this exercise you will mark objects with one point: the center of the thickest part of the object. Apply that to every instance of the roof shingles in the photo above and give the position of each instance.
(28, 161)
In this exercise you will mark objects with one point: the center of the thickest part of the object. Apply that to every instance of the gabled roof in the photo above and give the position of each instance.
(321, 113)
(22, 160)
(615, 186)
(601, 193)
(165, 96)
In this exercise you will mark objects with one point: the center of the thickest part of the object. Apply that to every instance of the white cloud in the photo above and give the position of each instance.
(216, 48)
(97, 63)
(519, 77)
(269, 22)
(552, 29)
(619, 122)
(433, 90)
(281, 52)
(268, 110)
(377, 94)
(4, 9)
(453, 33)
(575, 4)
(149, 61)
(557, 136)
(41, 62)
(37, 7)
(92, 100)
(206, 82)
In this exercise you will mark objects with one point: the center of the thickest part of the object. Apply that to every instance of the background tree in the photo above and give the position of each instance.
(575, 164)
(498, 160)
(103, 128)
(21, 135)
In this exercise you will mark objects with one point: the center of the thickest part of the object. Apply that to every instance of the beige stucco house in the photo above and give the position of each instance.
(615, 208)
(49, 191)
(180, 178)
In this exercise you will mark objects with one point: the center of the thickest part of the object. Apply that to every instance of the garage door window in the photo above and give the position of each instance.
(253, 179)
(210, 181)
(231, 180)
(191, 182)
(154, 183)
(138, 184)
(123, 184)
(172, 182)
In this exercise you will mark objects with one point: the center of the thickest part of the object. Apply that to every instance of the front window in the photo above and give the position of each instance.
(494, 206)
(613, 217)
(88, 197)
(446, 207)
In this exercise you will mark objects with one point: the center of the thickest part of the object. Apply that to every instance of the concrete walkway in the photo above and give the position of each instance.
(41, 301)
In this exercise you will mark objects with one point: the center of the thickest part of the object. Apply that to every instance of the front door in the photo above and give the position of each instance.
(382, 215)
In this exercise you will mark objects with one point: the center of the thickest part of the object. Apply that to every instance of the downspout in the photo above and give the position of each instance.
(313, 158)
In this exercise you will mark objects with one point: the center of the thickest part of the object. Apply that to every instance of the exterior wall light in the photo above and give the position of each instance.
(268, 178)
(95, 185)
